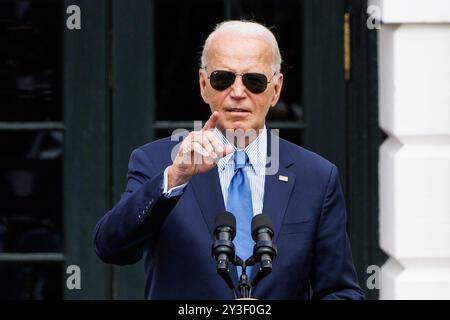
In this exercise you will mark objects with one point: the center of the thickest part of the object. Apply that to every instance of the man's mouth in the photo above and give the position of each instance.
(237, 110)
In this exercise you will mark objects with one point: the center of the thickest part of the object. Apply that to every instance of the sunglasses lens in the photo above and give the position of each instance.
(220, 80)
(255, 82)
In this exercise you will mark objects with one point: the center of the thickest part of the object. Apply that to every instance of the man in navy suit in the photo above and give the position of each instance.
(175, 190)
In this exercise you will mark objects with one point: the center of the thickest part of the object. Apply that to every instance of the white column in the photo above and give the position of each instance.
(414, 166)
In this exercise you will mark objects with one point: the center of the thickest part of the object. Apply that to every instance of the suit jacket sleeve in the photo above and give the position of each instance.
(120, 235)
(334, 276)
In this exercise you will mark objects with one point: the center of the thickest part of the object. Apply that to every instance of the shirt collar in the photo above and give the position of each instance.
(256, 151)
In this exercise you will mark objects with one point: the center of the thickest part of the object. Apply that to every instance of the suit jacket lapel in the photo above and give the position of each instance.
(208, 193)
(276, 197)
(209, 196)
(277, 192)
(278, 186)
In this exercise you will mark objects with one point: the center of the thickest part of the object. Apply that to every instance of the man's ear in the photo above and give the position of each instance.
(278, 79)
(202, 81)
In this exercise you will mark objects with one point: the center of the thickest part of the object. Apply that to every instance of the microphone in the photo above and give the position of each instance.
(264, 250)
(223, 248)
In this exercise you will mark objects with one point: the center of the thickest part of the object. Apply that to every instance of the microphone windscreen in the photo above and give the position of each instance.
(261, 221)
(225, 219)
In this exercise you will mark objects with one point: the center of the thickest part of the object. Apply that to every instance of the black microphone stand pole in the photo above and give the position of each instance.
(244, 287)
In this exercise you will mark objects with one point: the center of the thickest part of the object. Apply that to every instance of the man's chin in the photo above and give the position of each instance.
(237, 125)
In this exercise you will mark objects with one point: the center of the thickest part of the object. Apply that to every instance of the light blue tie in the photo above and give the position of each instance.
(239, 202)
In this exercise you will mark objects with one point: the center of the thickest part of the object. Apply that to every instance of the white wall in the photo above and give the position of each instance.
(414, 164)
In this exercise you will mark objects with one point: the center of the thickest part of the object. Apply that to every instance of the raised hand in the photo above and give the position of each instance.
(199, 152)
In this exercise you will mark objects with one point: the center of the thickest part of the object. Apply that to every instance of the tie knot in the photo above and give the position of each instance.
(240, 159)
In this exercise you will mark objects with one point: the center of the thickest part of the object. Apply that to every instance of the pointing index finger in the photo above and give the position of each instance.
(212, 121)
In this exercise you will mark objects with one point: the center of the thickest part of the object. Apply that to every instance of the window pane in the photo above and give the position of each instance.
(181, 27)
(31, 188)
(30, 281)
(30, 60)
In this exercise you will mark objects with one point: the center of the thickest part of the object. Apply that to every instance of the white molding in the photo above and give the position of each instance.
(414, 200)
(414, 79)
(414, 161)
(427, 281)
(413, 11)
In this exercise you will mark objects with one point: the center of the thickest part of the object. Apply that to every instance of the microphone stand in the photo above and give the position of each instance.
(244, 287)
(244, 284)
(225, 274)
(261, 273)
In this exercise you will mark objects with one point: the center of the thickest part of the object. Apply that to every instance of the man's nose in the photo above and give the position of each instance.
(238, 88)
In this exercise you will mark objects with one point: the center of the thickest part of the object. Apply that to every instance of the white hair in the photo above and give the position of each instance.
(244, 28)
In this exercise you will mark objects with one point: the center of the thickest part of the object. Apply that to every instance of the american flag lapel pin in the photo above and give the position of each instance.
(283, 178)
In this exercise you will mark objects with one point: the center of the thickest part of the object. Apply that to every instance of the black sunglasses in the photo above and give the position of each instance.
(255, 82)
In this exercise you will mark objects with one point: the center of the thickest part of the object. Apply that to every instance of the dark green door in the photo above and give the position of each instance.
(342, 114)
